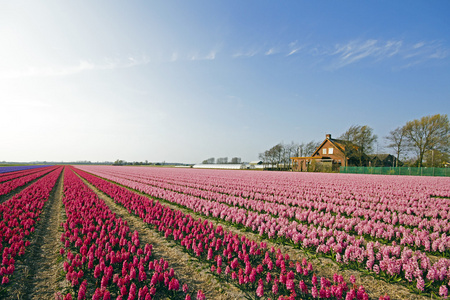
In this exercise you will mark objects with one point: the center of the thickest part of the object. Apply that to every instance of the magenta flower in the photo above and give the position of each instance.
(275, 288)
(200, 295)
(420, 284)
(314, 292)
(260, 289)
(443, 291)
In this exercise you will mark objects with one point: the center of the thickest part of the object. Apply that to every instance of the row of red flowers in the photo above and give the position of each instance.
(250, 265)
(103, 258)
(18, 217)
(13, 181)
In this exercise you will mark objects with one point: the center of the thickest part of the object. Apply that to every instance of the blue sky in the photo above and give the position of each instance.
(182, 81)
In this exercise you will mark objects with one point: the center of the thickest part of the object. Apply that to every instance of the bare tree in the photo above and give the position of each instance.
(311, 147)
(222, 160)
(290, 150)
(263, 157)
(236, 160)
(360, 136)
(209, 161)
(435, 158)
(396, 139)
(428, 133)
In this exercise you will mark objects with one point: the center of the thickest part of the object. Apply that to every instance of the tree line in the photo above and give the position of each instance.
(428, 138)
(421, 142)
(221, 160)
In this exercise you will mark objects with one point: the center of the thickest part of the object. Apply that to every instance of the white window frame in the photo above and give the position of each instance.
(330, 150)
(324, 151)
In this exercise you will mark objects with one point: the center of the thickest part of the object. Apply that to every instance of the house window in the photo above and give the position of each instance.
(330, 150)
(324, 151)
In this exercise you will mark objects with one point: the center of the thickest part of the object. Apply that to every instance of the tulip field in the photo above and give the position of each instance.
(394, 229)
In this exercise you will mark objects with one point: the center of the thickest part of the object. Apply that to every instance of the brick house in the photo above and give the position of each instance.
(329, 156)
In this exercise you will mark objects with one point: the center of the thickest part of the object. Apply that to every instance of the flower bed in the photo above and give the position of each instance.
(248, 264)
(11, 182)
(18, 217)
(103, 259)
(358, 241)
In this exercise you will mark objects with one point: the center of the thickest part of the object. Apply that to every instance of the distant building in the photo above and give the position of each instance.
(255, 164)
(329, 156)
(333, 153)
(382, 160)
(220, 166)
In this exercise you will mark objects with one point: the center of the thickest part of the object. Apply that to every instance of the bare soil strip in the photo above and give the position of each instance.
(38, 271)
(187, 269)
(323, 267)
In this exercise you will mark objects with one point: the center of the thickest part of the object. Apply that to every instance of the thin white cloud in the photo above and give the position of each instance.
(376, 50)
(422, 52)
(293, 51)
(174, 57)
(440, 54)
(271, 51)
(398, 52)
(82, 66)
(210, 56)
(249, 53)
(418, 45)
(355, 51)
(293, 48)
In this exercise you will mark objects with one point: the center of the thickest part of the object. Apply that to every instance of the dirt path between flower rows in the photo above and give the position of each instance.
(187, 269)
(38, 272)
(324, 267)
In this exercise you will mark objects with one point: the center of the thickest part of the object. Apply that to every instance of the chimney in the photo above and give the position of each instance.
(328, 136)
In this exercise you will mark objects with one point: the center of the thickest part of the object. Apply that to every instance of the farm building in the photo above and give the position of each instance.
(333, 153)
(220, 166)
(382, 160)
(330, 155)
(255, 164)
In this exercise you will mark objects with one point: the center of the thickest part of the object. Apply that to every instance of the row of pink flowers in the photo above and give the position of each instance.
(251, 265)
(103, 256)
(18, 217)
(377, 193)
(380, 205)
(10, 184)
(388, 260)
(333, 219)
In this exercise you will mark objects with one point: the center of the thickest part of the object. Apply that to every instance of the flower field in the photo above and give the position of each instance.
(20, 168)
(392, 229)
(19, 216)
